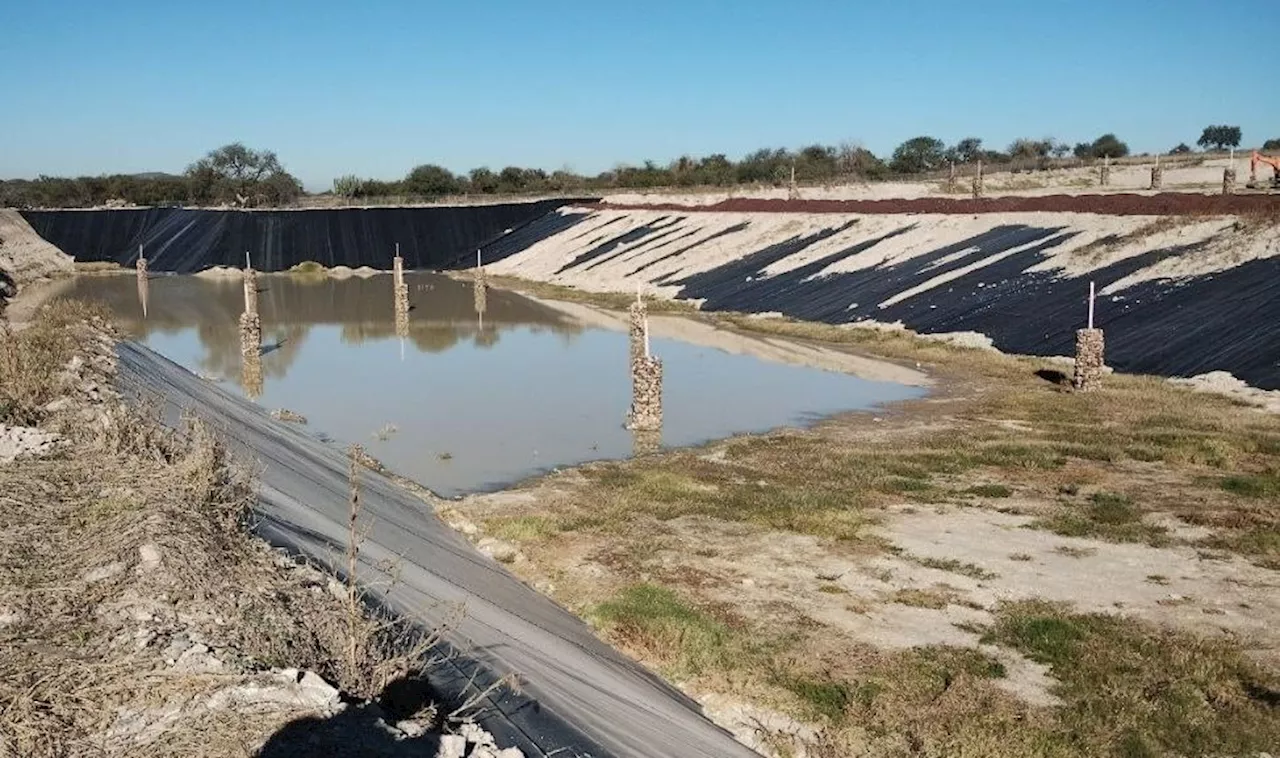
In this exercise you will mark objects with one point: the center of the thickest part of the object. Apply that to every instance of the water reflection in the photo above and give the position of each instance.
(289, 307)
(483, 386)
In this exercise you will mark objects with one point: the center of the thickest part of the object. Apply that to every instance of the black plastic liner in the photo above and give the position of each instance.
(185, 241)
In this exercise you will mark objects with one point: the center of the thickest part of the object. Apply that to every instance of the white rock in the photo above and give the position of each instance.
(198, 659)
(452, 746)
(510, 752)
(502, 552)
(9, 616)
(411, 728)
(102, 572)
(316, 692)
(148, 557)
(476, 735)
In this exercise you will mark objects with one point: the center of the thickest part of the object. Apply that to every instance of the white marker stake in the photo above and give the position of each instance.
(1091, 296)
(646, 336)
(247, 263)
(478, 264)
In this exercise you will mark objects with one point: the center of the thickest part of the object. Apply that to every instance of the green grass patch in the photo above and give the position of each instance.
(820, 696)
(658, 623)
(956, 567)
(1106, 516)
(522, 528)
(1132, 689)
(1252, 485)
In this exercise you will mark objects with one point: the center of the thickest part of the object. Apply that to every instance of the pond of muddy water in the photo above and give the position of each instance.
(473, 395)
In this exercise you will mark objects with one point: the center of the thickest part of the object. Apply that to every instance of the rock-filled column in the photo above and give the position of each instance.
(400, 296)
(646, 395)
(251, 338)
(636, 334)
(1157, 177)
(977, 182)
(1104, 173)
(144, 284)
(1089, 359)
(645, 441)
(646, 374)
(1228, 180)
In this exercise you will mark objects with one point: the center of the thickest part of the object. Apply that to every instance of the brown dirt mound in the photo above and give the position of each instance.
(1165, 204)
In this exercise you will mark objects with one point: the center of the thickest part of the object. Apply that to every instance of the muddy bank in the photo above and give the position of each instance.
(1174, 290)
(188, 240)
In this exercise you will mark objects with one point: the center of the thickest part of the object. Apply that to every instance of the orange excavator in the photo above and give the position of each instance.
(1274, 163)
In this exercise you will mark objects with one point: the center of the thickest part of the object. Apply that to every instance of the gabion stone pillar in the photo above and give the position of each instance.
(142, 268)
(639, 316)
(1228, 180)
(977, 182)
(1157, 177)
(645, 442)
(1089, 359)
(646, 395)
(480, 297)
(250, 292)
(1104, 173)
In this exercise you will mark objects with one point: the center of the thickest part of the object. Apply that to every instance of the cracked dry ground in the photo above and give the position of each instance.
(1004, 568)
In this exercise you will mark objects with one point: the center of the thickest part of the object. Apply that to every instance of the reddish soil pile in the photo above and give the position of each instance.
(1166, 204)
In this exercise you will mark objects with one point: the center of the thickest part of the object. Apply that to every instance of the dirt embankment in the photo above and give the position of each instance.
(139, 617)
(1165, 204)
(24, 255)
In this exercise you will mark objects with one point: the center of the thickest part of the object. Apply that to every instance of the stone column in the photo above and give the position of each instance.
(142, 268)
(399, 296)
(977, 182)
(1104, 173)
(480, 296)
(646, 395)
(639, 323)
(251, 338)
(1228, 180)
(951, 178)
(1089, 359)
(645, 442)
(1157, 177)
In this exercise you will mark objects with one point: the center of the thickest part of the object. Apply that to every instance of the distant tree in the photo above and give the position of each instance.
(765, 165)
(348, 186)
(1030, 149)
(856, 160)
(816, 163)
(235, 174)
(717, 170)
(966, 150)
(1106, 146)
(918, 154)
(1181, 149)
(430, 180)
(279, 188)
(1271, 144)
(1060, 149)
(483, 180)
(1220, 137)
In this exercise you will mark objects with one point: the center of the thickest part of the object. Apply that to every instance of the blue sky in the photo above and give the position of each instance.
(374, 88)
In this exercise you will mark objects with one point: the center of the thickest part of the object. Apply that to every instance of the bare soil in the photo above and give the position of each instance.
(1164, 204)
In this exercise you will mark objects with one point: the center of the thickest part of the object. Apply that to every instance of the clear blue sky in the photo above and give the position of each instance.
(374, 88)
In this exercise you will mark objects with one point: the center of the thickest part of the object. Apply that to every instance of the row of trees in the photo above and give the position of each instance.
(231, 175)
(239, 176)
